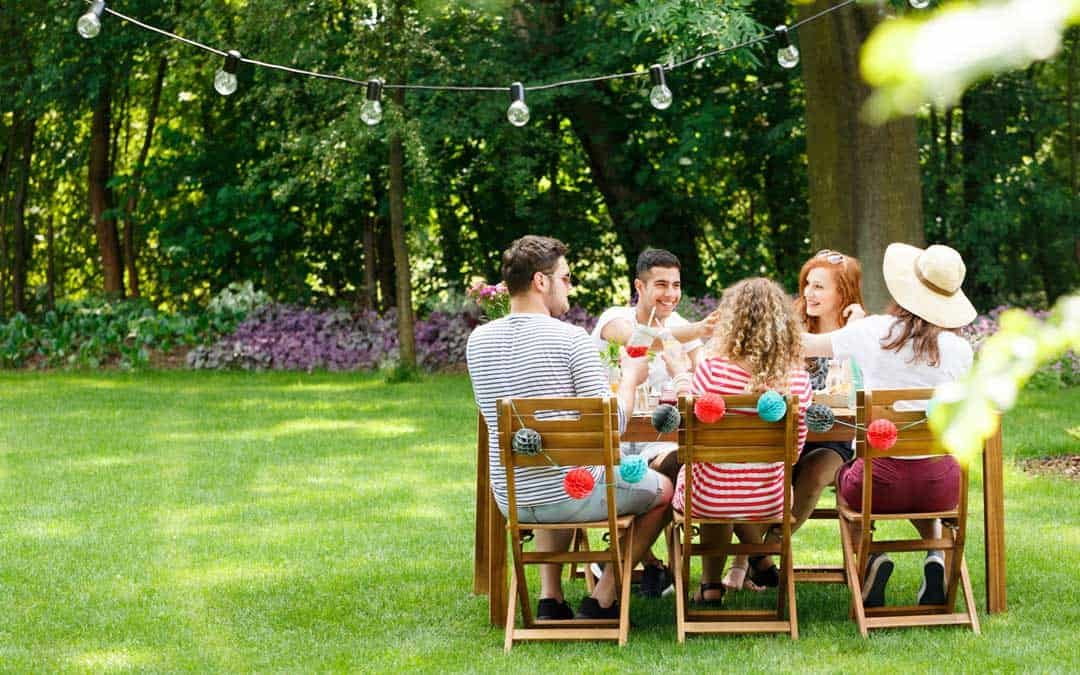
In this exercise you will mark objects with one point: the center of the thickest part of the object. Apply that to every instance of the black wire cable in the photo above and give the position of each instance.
(478, 88)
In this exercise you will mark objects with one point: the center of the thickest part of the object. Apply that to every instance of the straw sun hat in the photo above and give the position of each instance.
(927, 283)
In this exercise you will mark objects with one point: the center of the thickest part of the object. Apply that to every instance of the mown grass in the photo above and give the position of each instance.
(182, 521)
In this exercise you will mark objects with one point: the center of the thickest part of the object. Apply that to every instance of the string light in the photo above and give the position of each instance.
(788, 54)
(371, 111)
(518, 112)
(225, 79)
(89, 24)
(660, 96)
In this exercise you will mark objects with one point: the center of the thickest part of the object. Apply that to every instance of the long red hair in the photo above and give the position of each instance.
(848, 277)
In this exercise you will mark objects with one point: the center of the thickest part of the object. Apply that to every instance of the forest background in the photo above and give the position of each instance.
(124, 175)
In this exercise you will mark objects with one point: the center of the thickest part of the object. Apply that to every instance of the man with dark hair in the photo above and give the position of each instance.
(654, 323)
(530, 354)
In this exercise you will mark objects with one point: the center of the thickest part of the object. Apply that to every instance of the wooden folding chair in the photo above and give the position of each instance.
(914, 438)
(573, 432)
(735, 438)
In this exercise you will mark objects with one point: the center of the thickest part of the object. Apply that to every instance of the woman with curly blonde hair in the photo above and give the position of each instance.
(756, 346)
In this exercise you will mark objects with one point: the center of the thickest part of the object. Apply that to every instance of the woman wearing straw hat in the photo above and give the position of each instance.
(916, 343)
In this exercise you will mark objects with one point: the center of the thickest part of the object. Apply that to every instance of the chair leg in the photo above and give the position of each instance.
(854, 580)
(627, 571)
(969, 597)
(789, 576)
(680, 585)
(511, 610)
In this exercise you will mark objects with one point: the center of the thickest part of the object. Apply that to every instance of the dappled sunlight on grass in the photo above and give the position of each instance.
(53, 528)
(237, 573)
(106, 660)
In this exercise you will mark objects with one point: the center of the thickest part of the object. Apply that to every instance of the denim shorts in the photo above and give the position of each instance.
(630, 498)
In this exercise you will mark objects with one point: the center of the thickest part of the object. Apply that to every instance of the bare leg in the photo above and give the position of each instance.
(712, 567)
(647, 527)
(816, 472)
(551, 575)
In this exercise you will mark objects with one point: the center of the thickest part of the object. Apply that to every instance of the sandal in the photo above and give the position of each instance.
(699, 599)
(766, 578)
(737, 579)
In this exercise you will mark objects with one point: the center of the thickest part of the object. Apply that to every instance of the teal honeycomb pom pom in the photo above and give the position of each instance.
(666, 418)
(632, 468)
(771, 406)
(820, 418)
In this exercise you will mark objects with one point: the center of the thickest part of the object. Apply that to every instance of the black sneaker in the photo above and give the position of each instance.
(591, 609)
(655, 579)
(877, 575)
(551, 609)
(932, 591)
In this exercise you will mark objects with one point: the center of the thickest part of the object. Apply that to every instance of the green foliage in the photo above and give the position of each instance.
(96, 331)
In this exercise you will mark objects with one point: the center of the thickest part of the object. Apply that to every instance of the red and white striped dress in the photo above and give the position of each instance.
(750, 491)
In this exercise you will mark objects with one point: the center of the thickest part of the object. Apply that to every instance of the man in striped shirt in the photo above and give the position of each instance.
(530, 354)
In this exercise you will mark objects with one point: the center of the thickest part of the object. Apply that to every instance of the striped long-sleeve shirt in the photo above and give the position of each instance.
(532, 356)
(728, 490)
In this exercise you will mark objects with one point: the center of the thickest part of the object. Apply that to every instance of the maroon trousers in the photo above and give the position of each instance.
(904, 485)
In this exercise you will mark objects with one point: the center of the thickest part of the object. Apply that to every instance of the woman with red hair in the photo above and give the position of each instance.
(830, 295)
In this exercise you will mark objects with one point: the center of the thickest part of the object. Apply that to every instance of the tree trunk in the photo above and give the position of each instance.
(613, 172)
(5, 191)
(50, 265)
(864, 184)
(135, 189)
(101, 197)
(21, 240)
(365, 298)
(406, 335)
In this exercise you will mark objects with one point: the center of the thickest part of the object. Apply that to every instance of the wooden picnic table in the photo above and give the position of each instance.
(489, 562)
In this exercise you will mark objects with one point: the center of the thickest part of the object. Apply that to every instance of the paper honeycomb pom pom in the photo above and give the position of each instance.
(578, 483)
(526, 441)
(771, 406)
(666, 418)
(881, 434)
(930, 405)
(708, 408)
(820, 418)
(632, 468)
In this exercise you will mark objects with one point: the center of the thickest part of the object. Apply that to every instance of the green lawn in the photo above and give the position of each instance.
(283, 522)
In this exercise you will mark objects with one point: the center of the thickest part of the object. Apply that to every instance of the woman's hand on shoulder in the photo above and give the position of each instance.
(853, 312)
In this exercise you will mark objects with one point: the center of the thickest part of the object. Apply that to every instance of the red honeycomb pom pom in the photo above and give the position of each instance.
(881, 434)
(709, 407)
(578, 483)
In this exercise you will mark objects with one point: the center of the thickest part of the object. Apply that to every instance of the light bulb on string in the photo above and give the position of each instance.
(225, 79)
(89, 24)
(660, 96)
(788, 54)
(518, 112)
(371, 111)
(919, 4)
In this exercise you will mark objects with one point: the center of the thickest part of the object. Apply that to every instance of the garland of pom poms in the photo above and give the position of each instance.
(881, 434)
(579, 482)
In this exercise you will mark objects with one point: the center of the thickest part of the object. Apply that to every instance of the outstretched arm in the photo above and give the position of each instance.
(817, 344)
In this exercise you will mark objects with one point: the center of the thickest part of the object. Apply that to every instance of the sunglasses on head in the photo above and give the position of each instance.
(830, 256)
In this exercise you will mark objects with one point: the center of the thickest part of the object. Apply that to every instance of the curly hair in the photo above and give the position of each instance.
(759, 329)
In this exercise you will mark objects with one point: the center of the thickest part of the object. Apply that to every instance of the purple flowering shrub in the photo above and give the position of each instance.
(1063, 372)
(285, 337)
(579, 317)
(696, 309)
